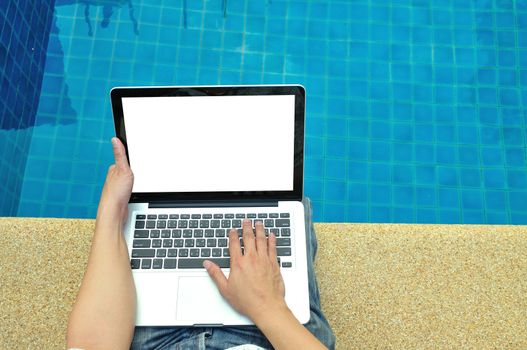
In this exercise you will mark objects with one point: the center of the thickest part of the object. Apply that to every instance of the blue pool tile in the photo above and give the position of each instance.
(313, 188)
(515, 157)
(449, 216)
(57, 192)
(472, 199)
(517, 179)
(380, 151)
(380, 173)
(468, 155)
(448, 198)
(425, 174)
(473, 217)
(446, 154)
(335, 168)
(380, 194)
(425, 216)
(334, 212)
(403, 195)
(357, 193)
(424, 132)
(380, 130)
(357, 150)
(491, 156)
(470, 177)
(402, 174)
(402, 152)
(518, 200)
(425, 196)
(357, 213)
(403, 215)
(380, 214)
(357, 171)
(496, 218)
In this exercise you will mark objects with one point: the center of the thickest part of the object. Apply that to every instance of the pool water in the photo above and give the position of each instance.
(416, 110)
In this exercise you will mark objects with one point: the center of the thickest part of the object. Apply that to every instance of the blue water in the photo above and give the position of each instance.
(416, 110)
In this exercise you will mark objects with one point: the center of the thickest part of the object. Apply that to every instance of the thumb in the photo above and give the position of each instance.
(217, 276)
(119, 154)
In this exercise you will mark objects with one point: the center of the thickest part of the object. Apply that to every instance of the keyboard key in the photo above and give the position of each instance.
(185, 216)
(287, 264)
(240, 216)
(209, 233)
(172, 253)
(273, 215)
(218, 216)
(140, 217)
(174, 216)
(143, 253)
(283, 242)
(207, 216)
(161, 253)
(268, 222)
(226, 223)
(141, 243)
(194, 253)
(156, 243)
(229, 216)
(165, 234)
(170, 263)
(193, 224)
(262, 215)
(140, 224)
(198, 233)
(236, 223)
(152, 216)
(183, 252)
(220, 232)
(172, 223)
(226, 252)
(135, 263)
(189, 243)
(222, 242)
(162, 216)
(158, 263)
(215, 223)
(211, 242)
(284, 215)
(187, 233)
(200, 242)
(204, 223)
(141, 234)
(205, 252)
(275, 231)
(150, 224)
(198, 263)
(178, 243)
(286, 232)
(251, 216)
(282, 223)
(216, 252)
(283, 251)
(155, 234)
(146, 263)
(182, 223)
(161, 224)
(167, 243)
(176, 233)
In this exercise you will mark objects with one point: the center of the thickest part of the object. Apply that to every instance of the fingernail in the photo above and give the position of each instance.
(206, 264)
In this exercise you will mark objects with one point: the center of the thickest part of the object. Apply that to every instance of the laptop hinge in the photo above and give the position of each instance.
(211, 204)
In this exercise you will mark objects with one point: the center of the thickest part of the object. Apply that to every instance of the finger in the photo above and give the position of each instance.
(271, 248)
(235, 250)
(261, 241)
(248, 237)
(119, 154)
(217, 276)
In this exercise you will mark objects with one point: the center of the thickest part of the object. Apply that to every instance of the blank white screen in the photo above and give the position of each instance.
(211, 143)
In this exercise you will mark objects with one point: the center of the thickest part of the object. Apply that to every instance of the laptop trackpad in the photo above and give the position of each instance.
(200, 302)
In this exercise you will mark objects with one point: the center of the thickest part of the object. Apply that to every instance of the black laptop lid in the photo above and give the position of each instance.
(214, 143)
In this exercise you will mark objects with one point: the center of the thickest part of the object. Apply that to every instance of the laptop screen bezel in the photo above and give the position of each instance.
(298, 91)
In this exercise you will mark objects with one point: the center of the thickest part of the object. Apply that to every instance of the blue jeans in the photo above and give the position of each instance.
(165, 338)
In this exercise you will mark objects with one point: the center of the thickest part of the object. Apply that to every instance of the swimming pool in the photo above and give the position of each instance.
(416, 110)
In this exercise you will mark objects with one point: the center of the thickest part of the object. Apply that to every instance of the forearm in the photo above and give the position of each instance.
(284, 331)
(104, 312)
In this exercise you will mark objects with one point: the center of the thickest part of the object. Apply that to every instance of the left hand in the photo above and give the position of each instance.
(118, 186)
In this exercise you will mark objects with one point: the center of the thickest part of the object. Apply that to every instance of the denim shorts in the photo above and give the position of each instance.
(194, 338)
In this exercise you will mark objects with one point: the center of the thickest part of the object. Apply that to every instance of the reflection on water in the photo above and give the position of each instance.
(108, 9)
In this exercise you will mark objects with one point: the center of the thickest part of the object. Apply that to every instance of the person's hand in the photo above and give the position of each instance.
(118, 186)
(255, 286)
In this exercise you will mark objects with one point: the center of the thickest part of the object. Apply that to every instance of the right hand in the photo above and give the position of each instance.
(255, 286)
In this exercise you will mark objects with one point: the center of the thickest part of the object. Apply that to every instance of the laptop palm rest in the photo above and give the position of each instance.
(200, 301)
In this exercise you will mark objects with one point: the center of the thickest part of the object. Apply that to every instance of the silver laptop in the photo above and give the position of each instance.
(205, 158)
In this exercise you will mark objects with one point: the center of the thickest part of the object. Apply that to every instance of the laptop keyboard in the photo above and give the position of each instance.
(184, 241)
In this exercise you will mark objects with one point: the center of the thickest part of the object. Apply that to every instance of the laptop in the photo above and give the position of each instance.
(204, 159)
